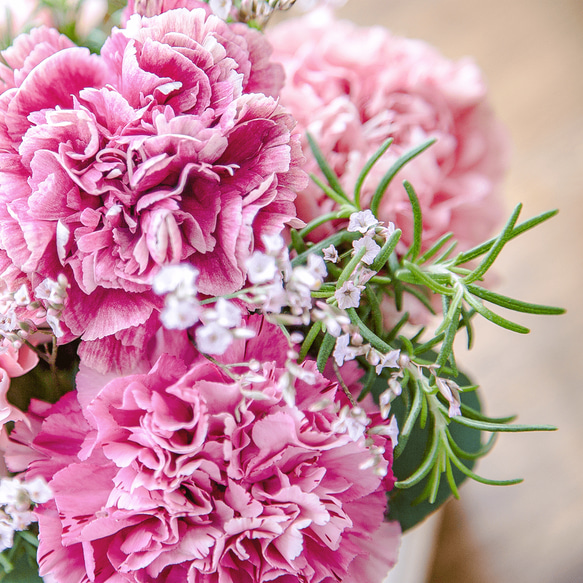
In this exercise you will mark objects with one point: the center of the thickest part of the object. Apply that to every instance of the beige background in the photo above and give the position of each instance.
(531, 52)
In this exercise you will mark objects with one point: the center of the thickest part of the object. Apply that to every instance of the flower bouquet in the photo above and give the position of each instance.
(234, 265)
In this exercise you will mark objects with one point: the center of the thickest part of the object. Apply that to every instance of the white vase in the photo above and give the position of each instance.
(416, 553)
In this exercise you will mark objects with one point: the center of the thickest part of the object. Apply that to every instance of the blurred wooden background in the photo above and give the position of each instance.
(531, 52)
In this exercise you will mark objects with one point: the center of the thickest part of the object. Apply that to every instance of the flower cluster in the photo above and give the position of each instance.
(17, 500)
(209, 389)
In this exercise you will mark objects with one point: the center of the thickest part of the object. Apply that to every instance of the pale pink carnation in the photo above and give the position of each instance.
(353, 88)
(171, 476)
(176, 159)
(16, 17)
(13, 363)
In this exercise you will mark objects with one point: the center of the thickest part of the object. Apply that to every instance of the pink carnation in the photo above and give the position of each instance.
(160, 151)
(13, 363)
(353, 88)
(174, 476)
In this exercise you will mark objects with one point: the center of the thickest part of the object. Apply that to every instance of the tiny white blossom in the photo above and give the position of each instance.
(317, 266)
(13, 494)
(395, 386)
(179, 313)
(372, 249)
(54, 292)
(351, 420)
(221, 8)
(243, 333)
(22, 520)
(54, 321)
(343, 352)
(213, 339)
(333, 318)
(286, 386)
(362, 221)
(331, 254)
(300, 373)
(391, 430)
(385, 399)
(275, 297)
(450, 390)
(261, 268)
(21, 296)
(348, 296)
(38, 490)
(178, 279)
(373, 356)
(273, 243)
(303, 276)
(228, 314)
(386, 232)
(389, 360)
(394, 431)
(6, 535)
(363, 275)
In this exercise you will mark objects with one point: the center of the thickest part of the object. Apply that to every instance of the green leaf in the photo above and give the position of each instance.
(375, 309)
(512, 304)
(499, 427)
(314, 224)
(411, 273)
(386, 250)
(388, 177)
(297, 241)
(493, 253)
(521, 228)
(22, 560)
(415, 248)
(434, 249)
(325, 351)
(402, 506)
(309, 340)
(367, 333)
(367, 168)
(493, 317)
(330, 175)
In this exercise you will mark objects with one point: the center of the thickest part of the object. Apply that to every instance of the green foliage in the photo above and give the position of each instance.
(408, 505)
(18, 564)
(442, 428)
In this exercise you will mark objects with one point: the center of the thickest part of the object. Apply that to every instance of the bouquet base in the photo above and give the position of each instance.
(416, 552)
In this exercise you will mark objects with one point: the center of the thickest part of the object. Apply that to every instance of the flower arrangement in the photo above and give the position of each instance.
(234, 264)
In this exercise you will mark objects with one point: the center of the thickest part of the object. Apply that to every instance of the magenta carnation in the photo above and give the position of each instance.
(353, 88)
(163, 150)
(174, 476)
